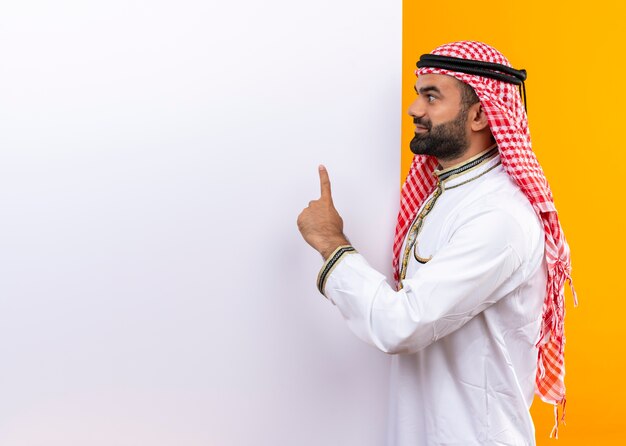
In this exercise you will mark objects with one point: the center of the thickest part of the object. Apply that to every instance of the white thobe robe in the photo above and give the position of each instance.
(463, 329)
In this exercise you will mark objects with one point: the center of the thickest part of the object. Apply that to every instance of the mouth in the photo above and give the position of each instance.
(420, 129)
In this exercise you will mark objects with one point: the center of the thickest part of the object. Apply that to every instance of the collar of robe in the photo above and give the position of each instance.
(471, 164)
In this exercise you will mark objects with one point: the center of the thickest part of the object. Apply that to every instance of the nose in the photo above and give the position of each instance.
(416, 109)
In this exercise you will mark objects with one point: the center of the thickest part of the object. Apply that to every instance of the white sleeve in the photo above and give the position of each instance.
(479, 265)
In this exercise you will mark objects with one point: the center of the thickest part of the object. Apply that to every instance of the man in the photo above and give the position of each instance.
(476, 320)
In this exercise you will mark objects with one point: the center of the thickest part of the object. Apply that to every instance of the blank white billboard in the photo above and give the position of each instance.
(154, 157)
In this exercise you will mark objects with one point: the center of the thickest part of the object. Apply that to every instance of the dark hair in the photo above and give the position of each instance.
(468, 96)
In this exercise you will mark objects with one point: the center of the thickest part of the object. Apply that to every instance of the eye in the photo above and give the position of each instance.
(430, 98)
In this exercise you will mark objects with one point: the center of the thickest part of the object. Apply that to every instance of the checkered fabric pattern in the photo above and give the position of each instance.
(509, 125)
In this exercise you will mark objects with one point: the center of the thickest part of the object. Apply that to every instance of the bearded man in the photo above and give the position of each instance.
(475, 321)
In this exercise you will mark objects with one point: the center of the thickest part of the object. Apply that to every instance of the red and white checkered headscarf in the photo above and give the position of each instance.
(509, 125)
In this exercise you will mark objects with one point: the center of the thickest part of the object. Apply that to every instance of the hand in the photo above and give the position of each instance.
(320, 224)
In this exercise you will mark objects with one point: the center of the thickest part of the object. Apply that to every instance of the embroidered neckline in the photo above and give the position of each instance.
(481, 163)
(476, 162)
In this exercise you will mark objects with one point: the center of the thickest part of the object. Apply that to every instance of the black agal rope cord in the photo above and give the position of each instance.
(479, 68)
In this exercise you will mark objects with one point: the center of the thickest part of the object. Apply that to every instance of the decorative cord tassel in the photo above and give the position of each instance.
(571, 287)
(555, 429)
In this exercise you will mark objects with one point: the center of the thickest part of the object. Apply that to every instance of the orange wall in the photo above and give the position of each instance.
(573, 52)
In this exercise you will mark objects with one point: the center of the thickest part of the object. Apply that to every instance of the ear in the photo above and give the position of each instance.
(478, 118)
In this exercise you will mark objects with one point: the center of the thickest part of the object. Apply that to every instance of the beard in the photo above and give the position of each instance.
(445, 141)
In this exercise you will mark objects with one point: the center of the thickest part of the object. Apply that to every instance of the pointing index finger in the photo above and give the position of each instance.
(324, 183)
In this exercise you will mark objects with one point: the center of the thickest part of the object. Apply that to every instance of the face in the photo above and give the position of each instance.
(441, 127)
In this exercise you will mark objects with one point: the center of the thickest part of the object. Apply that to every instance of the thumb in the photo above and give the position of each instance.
(325, 183)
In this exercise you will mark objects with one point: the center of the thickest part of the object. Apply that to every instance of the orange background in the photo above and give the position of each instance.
(573, 52)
